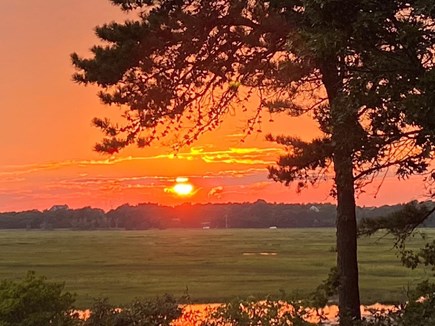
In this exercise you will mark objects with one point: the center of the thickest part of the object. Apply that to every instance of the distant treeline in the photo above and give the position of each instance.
(153, 216)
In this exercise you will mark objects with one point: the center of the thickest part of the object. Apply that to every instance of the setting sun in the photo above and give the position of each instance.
(183, 189)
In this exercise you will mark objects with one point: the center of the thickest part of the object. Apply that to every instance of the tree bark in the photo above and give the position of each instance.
(344, 124)
(347, 260)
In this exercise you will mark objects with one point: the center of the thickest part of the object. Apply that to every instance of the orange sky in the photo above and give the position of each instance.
(46, 137)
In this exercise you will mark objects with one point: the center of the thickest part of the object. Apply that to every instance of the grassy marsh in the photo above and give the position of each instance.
(213, 264)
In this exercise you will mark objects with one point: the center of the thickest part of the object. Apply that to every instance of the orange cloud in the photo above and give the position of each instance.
(259, 186)
(243, 156)
(216, 192)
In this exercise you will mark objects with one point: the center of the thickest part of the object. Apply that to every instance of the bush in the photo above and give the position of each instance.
(158, 312)
(35, 302)
(420, 311)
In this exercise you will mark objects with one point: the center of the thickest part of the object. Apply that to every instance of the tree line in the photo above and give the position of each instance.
(259, 214)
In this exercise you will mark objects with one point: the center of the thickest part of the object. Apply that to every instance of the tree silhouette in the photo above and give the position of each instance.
(367, 67)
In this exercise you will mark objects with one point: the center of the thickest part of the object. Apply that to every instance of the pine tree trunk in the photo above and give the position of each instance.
(347, 261)
(344, 123)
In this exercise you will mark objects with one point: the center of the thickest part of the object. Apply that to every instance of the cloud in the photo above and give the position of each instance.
(236, 135)
(235, 173)
(258, 186)
(36, 167)
(216, 192)
(243, 156)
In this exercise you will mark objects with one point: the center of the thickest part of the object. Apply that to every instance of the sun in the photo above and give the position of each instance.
(183, 189)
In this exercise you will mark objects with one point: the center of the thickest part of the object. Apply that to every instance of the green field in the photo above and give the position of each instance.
(213, 264)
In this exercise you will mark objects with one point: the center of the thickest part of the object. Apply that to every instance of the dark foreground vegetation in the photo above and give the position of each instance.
(34, 301)
(148, 216)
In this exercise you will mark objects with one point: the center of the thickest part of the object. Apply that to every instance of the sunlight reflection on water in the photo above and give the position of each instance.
(194, 314)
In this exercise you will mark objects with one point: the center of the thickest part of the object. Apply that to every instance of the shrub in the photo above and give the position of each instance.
(158, 312)
(35, 302)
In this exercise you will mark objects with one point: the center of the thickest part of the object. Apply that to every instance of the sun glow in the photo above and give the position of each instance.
(183, 189)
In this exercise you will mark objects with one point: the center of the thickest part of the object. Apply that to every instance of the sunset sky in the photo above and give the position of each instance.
(46, 137)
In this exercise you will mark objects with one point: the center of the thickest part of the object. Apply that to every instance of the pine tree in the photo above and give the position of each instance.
(367, 66)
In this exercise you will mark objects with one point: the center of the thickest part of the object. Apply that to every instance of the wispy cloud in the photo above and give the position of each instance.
(234, 155)
(235, 173)
(236, 135)
(14, 170)
(216, 192)
(258, 186)
(241, 156)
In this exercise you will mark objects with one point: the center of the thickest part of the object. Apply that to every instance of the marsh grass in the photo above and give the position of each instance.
(210, 264)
